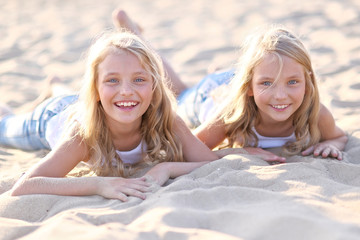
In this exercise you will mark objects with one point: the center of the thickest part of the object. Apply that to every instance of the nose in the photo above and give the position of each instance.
(126, 88)
(279, 91)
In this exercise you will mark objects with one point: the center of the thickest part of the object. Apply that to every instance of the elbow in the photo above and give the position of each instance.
(18, 188)
(15, 192)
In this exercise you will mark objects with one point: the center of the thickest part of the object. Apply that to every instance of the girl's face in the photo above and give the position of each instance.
(124, 88)
(278, 94)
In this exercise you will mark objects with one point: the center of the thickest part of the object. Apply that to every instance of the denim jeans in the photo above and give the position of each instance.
(193, 100)
(27, 131)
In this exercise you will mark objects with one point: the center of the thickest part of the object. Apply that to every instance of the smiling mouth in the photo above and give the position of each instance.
(280, 107)
(126, 104)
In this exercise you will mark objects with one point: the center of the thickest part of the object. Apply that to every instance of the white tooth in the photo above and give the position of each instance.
(280, 106)
(126, 104)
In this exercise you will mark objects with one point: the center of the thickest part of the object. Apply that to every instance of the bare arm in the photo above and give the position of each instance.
(193, 149)
(263, 154)
(211, 133)
(48, 177)
(166, 170)
(333, 139)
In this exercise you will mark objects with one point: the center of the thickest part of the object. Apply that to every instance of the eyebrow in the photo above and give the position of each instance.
(264, 77)
(135, 73)
(295, 76)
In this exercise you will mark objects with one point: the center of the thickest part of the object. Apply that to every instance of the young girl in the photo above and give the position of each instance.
(271, 100)
(122, 117)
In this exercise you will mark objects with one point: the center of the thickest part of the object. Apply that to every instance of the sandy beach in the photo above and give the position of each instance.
(237, 197)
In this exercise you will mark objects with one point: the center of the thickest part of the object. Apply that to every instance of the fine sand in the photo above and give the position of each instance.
(237, 197)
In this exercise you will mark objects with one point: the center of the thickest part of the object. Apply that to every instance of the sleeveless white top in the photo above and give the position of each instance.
(209, 108)
(55, 127)
(272, 142)
(133, 156)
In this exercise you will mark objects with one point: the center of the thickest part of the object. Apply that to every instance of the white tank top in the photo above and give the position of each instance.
(272, 142)
(133, 156)
(55, 127)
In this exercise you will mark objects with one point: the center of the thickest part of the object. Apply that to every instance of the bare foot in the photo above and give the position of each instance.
(54, 86)
(47, 92)
(122, 20)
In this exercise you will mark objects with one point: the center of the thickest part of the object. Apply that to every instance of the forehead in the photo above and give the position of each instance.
(120, 59)
(271, 65)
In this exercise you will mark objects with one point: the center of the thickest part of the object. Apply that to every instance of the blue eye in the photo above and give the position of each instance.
(292, 82)
(113, 80)
(139, 80)
(266, 83)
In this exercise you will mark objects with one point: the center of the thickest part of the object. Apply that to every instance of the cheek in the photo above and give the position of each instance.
(148, 92)
(105, 93)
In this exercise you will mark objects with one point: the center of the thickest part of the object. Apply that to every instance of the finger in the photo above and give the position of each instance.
(340, 155)
(334, 153)
(326, 152)
(139, 181)
(122, 197)
(140, 188)
(134, 193)
(318, 150)
(275, 159)
(308, 151)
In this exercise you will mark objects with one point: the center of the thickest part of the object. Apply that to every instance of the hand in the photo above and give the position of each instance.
(227, 151)
(324, 150)
(120, 188)
(159, 173)
(265, 155)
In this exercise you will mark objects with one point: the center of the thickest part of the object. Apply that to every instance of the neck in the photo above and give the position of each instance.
(274, 128)
(126, 136)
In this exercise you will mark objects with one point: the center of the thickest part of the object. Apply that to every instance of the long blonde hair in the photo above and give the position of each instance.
(241, 112)
(157, 121)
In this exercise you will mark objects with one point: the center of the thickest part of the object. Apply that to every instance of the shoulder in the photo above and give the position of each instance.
(73, 146)
(211, 132)
(327, 124)
(325, 114)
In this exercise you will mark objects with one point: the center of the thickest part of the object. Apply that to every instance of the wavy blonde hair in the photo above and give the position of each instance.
(241, 112)
(157, 121)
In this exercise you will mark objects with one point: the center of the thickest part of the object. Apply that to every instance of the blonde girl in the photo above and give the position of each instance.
(273, 101)
(122, 117)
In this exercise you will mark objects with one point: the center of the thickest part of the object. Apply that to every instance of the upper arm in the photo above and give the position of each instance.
(193, 149)
(328, 128)
(211, 133)
(61, 160)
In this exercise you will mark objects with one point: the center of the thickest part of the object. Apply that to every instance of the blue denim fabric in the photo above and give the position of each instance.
(27, 131)
(191, 100)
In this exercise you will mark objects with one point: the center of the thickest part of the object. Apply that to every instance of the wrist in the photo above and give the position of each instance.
(96, 185)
